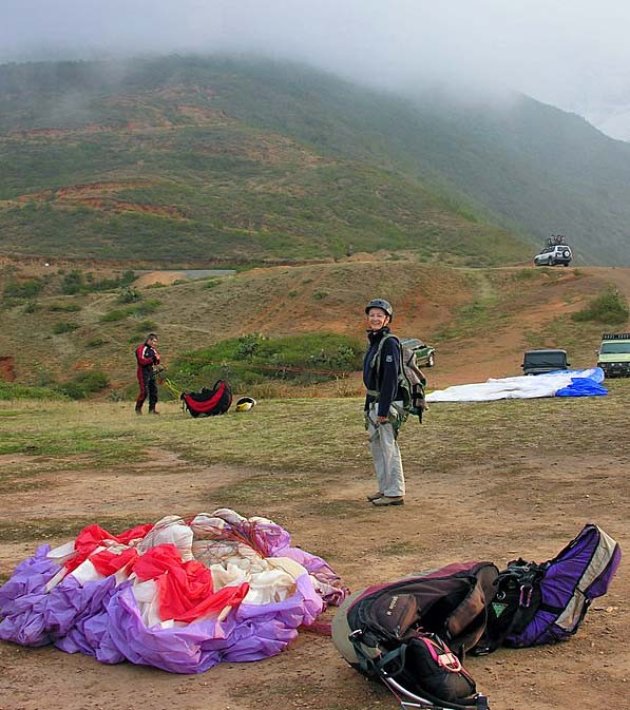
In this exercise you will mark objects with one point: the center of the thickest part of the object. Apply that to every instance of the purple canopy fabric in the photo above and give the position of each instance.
(115, 617)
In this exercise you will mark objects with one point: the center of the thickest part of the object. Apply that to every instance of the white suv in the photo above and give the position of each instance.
(557, 254)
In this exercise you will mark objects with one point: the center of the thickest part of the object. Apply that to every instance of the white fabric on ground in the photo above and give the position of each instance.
(521, 387)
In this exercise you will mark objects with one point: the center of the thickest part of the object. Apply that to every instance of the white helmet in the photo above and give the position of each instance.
(244, 404)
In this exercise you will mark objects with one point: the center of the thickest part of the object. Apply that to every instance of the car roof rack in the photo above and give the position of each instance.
(616, 336)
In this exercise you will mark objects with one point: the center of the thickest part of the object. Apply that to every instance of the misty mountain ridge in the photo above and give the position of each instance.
(611, 118)
(193, 158)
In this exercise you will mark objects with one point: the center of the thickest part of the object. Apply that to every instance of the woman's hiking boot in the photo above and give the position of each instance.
(389, 500)
(374, 496)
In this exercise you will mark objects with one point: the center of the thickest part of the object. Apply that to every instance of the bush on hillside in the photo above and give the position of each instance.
(129, 294)
(610, 307)
(84, 384)
(64, 327)
(24, 289)
(14, 391)
(31, 307)
(64, 307)
(144, 308)
(77, 282)
(72, 283)
(254, 359)
(115, 315)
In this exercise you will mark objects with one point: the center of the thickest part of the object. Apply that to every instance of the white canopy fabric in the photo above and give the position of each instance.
(521, 387)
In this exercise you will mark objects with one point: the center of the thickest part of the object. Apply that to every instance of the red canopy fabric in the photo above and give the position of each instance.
(185, 588)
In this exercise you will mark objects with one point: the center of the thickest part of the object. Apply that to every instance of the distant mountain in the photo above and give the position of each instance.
(611, 118)
(193, 159)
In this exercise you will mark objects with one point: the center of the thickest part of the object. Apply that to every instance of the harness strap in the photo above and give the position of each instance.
(376, 360)
(399, 655)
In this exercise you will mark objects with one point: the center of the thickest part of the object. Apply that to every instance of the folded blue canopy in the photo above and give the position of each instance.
(590, 386)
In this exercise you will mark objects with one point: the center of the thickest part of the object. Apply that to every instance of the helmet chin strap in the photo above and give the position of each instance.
(378, 330)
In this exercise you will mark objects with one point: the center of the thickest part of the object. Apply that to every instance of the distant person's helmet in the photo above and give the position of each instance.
(382, 304)
(244, 404)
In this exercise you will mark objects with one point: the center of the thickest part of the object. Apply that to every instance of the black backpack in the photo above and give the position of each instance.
(413, 633)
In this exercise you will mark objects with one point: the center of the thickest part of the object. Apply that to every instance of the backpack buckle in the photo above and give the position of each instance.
(525, 596)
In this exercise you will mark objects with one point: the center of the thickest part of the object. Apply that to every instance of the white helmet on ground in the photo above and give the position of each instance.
(244, 404)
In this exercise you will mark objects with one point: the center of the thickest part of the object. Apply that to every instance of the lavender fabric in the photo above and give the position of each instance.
(102, 619)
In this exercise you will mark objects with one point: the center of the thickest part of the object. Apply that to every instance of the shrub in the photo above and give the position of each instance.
(145, 308)
(115, 315)
(609, 307)
(255, 360)
(247, 345)
(129, 295)
(64, 307)
(15, 391)
(72, 283)
(127, 278)
(64, 327)
(23, 289)
(84, 384)
(31, 307)
(75, 282)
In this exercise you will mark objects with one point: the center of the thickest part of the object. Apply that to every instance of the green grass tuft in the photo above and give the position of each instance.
(609, 307)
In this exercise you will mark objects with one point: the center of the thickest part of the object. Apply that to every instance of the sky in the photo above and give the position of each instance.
(573, 54)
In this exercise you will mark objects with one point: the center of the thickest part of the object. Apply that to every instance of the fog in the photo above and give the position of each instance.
(569, 53)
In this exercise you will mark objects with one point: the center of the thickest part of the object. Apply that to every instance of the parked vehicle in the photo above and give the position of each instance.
(554, 254)
(537, 362)
(425, 354)
(613, 355)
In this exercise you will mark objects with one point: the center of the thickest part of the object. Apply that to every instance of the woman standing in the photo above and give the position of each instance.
(383, 403)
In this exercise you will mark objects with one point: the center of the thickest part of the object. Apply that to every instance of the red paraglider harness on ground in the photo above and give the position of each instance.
(208, 402)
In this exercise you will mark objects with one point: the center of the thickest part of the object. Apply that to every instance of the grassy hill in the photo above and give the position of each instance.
(196, 159)
(480, 320)
(177, 160)
(530, 167)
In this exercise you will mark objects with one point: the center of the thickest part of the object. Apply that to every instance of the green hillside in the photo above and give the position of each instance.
(183, 161)
(78, 329)
(190, 160)
(533, 168)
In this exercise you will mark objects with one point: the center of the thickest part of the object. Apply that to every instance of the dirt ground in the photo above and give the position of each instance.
(499, 510)
(526, 503)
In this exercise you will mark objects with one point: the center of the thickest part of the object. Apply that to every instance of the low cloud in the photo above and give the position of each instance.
(568, 53)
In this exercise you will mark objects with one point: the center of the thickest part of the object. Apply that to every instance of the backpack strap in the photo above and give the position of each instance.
(464, 626)
(524, 578)
(376, 361)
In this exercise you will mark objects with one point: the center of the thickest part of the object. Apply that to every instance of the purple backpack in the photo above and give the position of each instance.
(544, 603)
